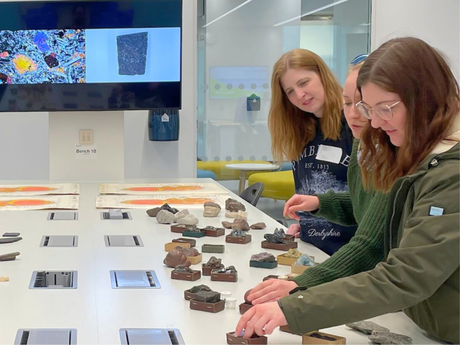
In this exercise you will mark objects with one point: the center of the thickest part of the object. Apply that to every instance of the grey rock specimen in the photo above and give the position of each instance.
(189, 219)
(240, 224)
(211, 209)
(182, 269)
(207, 296)
(180, 215)
(226, 224)
(233, 205)
(238, 233)
(9, 239)
(9, 257)
(229, 269)
(214, 263)
(273, 238)
(263, 257)
(165, 217)
(279, 233)
(306, 260)
(198, 288)
(153, 211)
(389, 338)
(367, 327)
(258, 226)
(132, 53)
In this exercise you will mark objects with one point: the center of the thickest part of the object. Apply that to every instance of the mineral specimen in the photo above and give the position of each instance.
(180, 214)
(189, 219)
(237, 215)
(207, 296)
(263, 257)
(233, 205)
(166, 207)
(199, 288)
(293, 253)
(389, 338)
(176, 257)
(240, 224)
(238, 233)
(211, 209)
(190, 251)
(165, 217)
(272, 238)
(305, 260)
(258, 226)
(132, 53)
(227, 270)
(183, 269)
(226, 224)
(367, 327)
(214, 263)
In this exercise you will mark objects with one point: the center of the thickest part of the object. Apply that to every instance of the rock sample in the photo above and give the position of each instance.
(258, 226)
(175, 258)
(226, 224)
(226, 270)
(238, 233)
(233, 205)
(207, 296)
(165, 217)
(366, 327)
(238, 215)
(305, 260)
(180, 215)
(211, 209)
(240, 224)
(389, 338)
(199, 288)
(189, 219)
(293, 253)
(214, 263)
(183, 269)
(132, 53)
(273, 238)
(263, 257)
(153, 211)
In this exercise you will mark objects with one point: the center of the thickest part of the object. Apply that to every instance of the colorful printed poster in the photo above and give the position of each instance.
(39, 189)
(146, 201)
(26, 203)
(160, 188)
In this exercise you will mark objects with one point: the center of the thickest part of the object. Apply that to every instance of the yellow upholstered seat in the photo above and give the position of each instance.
(223, 173)
(277, 185)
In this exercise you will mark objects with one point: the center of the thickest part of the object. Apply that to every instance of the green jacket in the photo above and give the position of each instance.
(421, 271)
(365, 208)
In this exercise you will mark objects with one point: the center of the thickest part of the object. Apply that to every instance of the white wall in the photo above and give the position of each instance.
(24, 137)
(436, 22)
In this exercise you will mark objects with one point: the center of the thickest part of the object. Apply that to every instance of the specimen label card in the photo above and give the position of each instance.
(160, 188)
(39, 189)
(146, 201)
(47, 202)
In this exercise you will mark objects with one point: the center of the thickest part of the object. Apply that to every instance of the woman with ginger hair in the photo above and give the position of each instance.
(411, 149)
(307, 127)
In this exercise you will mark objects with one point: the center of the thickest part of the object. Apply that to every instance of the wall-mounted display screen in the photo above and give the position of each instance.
(90, 55)
(233, 82)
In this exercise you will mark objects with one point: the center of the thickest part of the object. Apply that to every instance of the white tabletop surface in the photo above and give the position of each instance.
(98, 312)
(252, 166)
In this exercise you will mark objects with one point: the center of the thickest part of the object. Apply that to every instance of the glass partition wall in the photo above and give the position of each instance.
(238, 43)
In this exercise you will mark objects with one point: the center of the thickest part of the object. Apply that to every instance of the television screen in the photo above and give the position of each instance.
(90, 55)
(232, 82)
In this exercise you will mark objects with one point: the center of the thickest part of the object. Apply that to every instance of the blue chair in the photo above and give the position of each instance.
(200, 173)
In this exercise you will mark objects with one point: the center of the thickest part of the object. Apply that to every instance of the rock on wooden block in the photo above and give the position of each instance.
(189, 276)
(224, 277)
(179, 228)
(213, 232)
(185, 240)
(322, 339)
(255, 339)
(238, 240)
(279, 246)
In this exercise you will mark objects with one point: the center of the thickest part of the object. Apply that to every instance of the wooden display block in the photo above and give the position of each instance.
(289, 237)
(298, 268)
(287, 330)
(185, 240)
(193, 234)
(255, 339)
(214, 233)
(282, 260)
(213, 248)
(206, 270)
(172, 245)
(244, 307)
(279, 246)
(208, 307)
(195, 259)
(186, 276)
(188, 295)
(224, 277)
(259, 264)
(238, 240)
(322, 338)
(179, 228)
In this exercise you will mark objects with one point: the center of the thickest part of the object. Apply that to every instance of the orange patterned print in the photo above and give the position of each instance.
(7, 190)
(25, 202)
(174, 201)
(163, 188)
(26, 189)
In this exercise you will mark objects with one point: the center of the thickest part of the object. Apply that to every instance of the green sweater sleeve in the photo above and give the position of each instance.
(336, 208)
(362, 253)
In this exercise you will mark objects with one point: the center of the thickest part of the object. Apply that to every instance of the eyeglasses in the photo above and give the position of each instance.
(358, 59)
(382, 111)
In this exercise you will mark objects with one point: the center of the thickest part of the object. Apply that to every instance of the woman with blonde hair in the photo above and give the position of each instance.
(307, 127)
(412, 149)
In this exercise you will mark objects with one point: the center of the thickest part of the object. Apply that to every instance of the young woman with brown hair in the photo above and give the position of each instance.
(307, 127)
(412, 149)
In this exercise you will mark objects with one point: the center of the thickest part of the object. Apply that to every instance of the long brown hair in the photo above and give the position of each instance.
(291, 128)
(419, 74)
